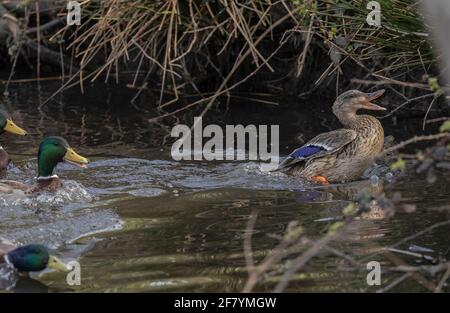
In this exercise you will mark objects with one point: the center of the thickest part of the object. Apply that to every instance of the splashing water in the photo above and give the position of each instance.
(71, 191)
(52, 218)
(8, 277)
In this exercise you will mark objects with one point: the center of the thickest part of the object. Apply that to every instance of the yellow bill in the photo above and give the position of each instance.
(13, 128)
(75, 159)
(57, 265)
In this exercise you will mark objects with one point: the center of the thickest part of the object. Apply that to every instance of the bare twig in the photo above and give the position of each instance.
(414, 140)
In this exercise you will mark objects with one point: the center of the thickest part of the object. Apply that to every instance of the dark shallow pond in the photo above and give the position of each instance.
(138, 221)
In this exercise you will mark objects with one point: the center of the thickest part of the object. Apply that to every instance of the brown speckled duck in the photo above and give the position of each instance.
(344, 154)
(7, 125)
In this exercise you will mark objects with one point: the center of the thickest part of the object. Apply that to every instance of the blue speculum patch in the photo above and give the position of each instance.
(306, 151)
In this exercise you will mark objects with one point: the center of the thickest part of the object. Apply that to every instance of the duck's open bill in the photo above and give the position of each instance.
(57, 265)
(372, 96)
(12, 128)
(75, 159)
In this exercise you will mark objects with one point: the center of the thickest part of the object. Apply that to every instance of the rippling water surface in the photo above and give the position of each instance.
(138, 221)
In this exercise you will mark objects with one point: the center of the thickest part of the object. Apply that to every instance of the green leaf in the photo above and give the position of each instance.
(350, 209)
(445, 127)
(398, 165)
(420, 156)
(335, 227)
(433, 84)
(294, 233)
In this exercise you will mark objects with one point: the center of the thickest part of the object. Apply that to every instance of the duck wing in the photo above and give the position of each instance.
(10, 186)
(322, 144)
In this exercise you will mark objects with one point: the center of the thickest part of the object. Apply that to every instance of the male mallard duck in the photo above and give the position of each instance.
(7, 125)
(52, 151)
(30, 258)
(344, 154)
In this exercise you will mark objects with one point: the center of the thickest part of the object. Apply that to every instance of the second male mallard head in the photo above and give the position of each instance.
(54, 150)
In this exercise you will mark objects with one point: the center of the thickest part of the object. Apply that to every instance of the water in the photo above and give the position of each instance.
(138, 221)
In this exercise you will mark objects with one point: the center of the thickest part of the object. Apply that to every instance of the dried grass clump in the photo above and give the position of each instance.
(179, 41)
(398, 46)
(207, 48)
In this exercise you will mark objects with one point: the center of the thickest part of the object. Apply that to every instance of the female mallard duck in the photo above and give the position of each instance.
(7, 125)
(52, 151)
(30, 258)
(344, 154)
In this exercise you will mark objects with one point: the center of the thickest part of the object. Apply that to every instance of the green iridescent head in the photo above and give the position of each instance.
(34, 258)
(54, 150)
(7, 125)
